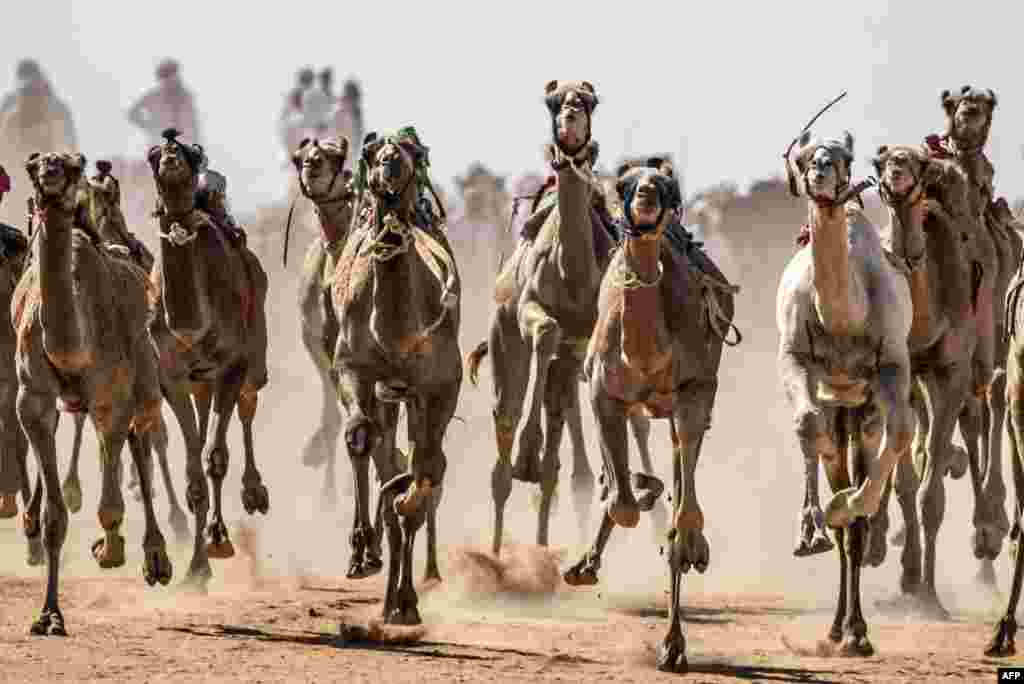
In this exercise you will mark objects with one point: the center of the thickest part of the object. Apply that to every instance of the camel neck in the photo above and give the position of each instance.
(62, 320)
(641, 305)
(576, 237)
(830, 252)
(335, 217)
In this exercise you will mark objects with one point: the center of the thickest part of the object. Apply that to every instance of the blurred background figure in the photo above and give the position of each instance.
(168, 105)
(32, 119)
(291, 123)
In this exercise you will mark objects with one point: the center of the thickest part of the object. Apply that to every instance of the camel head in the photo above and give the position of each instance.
(649, 193)
(56, 177)
(571, 105)
(903, 171)
(825, 166)
(320, 166)
(481, 191)
(969, 115)
(174, 163)
(393, 167)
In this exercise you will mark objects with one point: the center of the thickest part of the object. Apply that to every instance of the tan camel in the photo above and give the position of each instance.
(926, 199)
(546, 297)
(14, 476)
(656, 351)
(1003, 640)
(396, 298)
(210, 331)
(324, 180)
(81, 317)
(844, 313)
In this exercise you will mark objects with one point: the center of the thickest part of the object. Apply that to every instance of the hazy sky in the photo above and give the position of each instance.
(728, 82)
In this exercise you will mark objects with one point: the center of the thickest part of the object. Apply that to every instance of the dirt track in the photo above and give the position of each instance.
(757, 614)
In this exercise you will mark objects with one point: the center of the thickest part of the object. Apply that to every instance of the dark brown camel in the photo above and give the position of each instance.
(210, 330)
(396, 297)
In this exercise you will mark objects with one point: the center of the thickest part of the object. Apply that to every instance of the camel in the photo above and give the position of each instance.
(395, 295)
(210, 332)
(926, 199)
(14, 476)
(100, 199)
(655, 351)
(844, 313)
(80, 317)
(546, 296)
(324, 179)
(1003, 640)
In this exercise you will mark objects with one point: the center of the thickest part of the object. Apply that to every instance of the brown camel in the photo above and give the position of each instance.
(324, 180)
(101, 200)
(926, 199)
(396, 298)
(1003, 640)
(546, 297)
(13, 444)
(210, 331)
(81, 317)
(844, 312)
(656, 351)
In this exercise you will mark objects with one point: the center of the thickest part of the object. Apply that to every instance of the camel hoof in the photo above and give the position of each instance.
(624, 513)
(8, 506)
(179, 525)
(406, 616)
(109, 553)
(842, 510)
(72, 492)
(157, 566)
(857, 647)
(583, 574)
(958, 462)
(1002, 644)
(50, 623)
(362, 569)
(649, 489)
(221, 550)
(255, 497)
(819, 543)
(671, 655)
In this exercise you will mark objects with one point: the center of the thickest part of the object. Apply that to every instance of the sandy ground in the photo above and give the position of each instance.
(276, 614)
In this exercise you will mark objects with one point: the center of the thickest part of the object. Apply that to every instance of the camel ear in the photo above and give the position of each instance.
(949, 101)
(551, 87)
(32, 164)
(992, 100)
(848, 143)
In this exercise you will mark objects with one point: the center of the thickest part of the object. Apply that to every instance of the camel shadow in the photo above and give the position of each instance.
(759, 673)
(710, 616)
(424, 649)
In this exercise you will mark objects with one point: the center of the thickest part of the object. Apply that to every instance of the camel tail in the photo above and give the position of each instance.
(473, 360)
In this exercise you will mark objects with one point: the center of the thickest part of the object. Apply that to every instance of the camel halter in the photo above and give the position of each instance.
(338, 170)
(909, 199)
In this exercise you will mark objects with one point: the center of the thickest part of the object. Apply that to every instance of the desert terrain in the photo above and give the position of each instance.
(282, 611)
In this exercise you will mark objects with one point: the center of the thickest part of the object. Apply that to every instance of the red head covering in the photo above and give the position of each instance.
(5, 181)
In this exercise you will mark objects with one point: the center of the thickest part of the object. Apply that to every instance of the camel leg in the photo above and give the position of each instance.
(254, 493)
(861, 455)
(687, 545)
(197, 491)
(563, 382)
(156, 565)
(585, 571)
(216, 456)
(393, 529)
(1003, 640)
(134, 479)
(613, 434)
(322, 445)
(641, 427)
(13, 475)
(974, 419)
(432, 572)
(815, 441)
(362, 438)
(944, 389)
(72, 483)
(111, 425)
(546, 336)
(917, 456)
(31, 524)
(176, 519)
(583, 480)
(37, 413)
(510, 361)
(991, 530)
